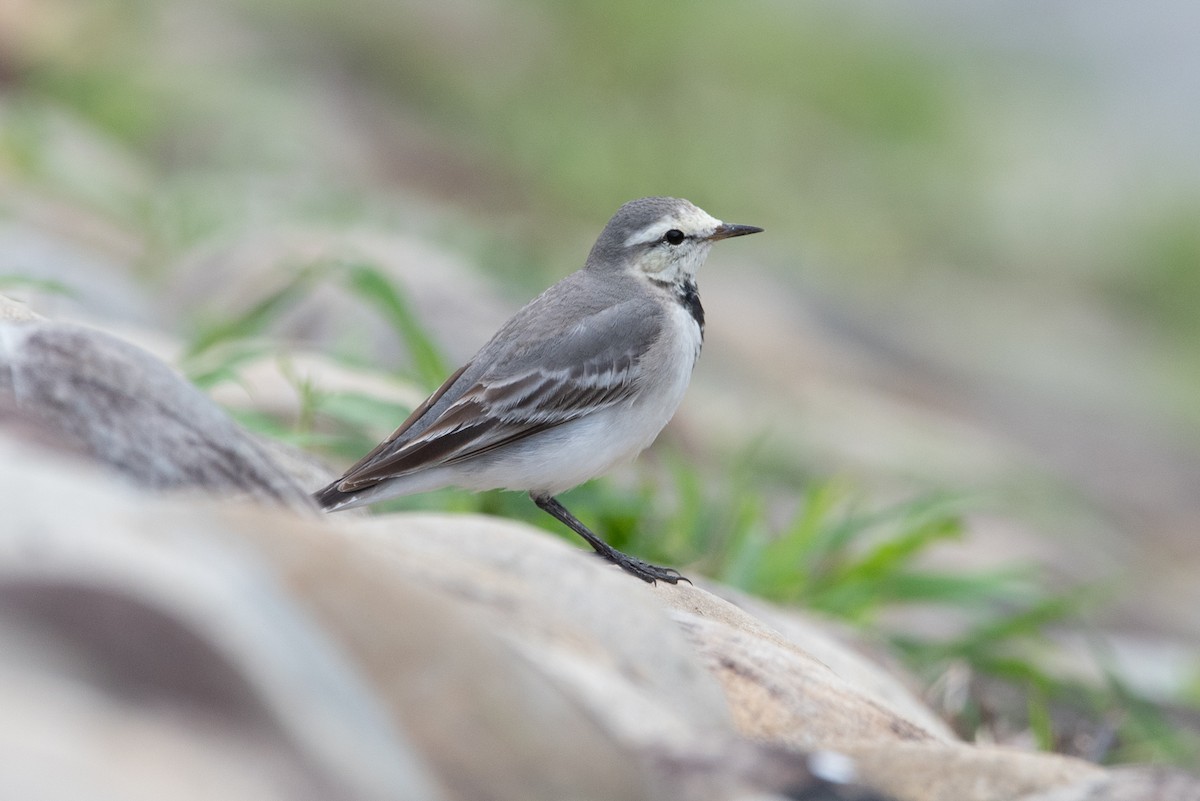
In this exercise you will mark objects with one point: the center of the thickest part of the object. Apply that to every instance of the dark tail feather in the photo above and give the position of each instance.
(331, 498)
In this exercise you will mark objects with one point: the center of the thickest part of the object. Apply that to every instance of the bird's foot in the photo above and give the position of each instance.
(647, 572)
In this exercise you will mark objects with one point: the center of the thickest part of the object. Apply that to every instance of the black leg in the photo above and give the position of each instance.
(643, 570)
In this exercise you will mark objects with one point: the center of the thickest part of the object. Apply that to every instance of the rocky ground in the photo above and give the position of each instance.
(178, 622)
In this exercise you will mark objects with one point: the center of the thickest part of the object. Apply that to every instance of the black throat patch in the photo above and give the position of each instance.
(689, 297)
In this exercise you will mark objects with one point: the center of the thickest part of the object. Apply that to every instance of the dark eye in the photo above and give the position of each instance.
(673, 237)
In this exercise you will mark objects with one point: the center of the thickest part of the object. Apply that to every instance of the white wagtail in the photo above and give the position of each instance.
(581, 379)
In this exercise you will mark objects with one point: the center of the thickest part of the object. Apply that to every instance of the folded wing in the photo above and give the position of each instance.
(528, 387)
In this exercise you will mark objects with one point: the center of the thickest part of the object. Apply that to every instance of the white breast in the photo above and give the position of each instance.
(567, 455)
(570, 454)
(669, 366)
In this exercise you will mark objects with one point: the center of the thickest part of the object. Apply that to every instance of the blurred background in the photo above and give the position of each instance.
(980, 277)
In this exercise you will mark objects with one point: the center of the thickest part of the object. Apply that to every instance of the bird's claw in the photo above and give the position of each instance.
(651, 574)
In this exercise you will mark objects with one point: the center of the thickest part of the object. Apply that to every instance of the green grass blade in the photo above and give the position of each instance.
(257, 318)
(48, 285)
(373, 286)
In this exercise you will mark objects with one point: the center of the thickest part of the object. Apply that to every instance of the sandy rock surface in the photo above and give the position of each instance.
(199, 644)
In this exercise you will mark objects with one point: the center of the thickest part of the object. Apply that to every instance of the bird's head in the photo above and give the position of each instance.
(665, 238)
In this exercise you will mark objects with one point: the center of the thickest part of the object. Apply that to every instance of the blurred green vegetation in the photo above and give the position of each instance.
(879, 161)
(877, 154)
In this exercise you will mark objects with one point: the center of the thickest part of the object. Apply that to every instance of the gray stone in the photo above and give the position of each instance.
(279, 654)
(86, 282)
(145, 654)
(129, 411)
(15, 311)
(208, 610)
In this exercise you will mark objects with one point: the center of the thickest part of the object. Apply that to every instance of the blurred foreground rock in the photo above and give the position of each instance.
(102, 396)
(156, 646)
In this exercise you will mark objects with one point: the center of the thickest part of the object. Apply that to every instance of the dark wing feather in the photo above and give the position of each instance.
(594, 365)
(408, 423)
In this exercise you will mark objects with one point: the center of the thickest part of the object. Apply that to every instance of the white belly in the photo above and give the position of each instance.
(566, 456)
(575, 452)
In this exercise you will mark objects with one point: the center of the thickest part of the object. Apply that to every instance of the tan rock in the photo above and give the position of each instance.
(485, 714)
(183, 602)
(864, 665)
(603, 639)
(780, 693)
(140, 658)
(343, 657)
(1143, 783)
(932, 771)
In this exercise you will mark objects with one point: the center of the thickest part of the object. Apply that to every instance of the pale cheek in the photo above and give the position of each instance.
(670, 264)
(656, 261)
(687, 263)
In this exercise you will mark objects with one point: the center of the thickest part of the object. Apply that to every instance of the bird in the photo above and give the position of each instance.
(581, 379)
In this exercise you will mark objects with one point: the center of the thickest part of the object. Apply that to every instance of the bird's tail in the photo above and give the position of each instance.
(331, 499)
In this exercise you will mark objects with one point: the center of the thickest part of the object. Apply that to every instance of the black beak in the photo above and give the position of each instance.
(727, 230)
